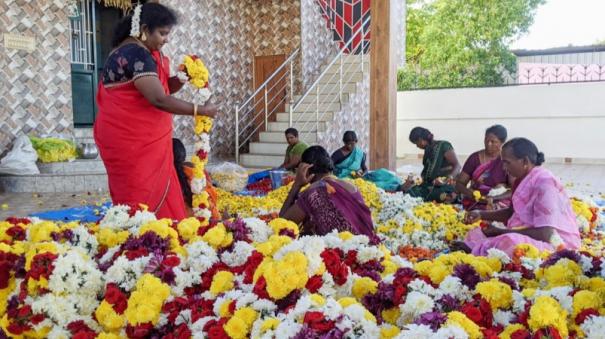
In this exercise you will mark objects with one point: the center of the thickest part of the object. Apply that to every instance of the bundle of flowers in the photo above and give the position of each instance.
(54, 149)
(134, 276)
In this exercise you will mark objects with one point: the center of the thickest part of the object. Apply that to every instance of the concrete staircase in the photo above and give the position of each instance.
(79, 175)
(269, 150)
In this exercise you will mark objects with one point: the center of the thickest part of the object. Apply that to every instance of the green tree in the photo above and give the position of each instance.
(462, 42)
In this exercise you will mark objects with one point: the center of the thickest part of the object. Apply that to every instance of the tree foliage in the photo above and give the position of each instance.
(462, 42)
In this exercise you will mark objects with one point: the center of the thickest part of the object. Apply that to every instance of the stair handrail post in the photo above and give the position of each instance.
(291, 80)
(266, 109)
(363, 36)
(340, 81)
(237, 134)
(317, 109)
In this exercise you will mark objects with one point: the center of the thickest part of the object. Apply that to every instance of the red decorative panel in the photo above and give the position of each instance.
(344, 18)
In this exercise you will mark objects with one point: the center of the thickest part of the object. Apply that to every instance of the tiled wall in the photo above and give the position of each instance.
(227, 35)
(318, 46)
(35, 88)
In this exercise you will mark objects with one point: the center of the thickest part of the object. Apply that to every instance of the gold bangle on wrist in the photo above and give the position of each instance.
(194, 111)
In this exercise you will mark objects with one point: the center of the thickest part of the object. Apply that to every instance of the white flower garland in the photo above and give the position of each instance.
(135, 26)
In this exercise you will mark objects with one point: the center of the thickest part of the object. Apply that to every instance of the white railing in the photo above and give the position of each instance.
(343, 76)
(82, 32)
(265, 100)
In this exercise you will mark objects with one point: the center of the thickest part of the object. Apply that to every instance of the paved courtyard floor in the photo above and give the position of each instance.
(582, 180)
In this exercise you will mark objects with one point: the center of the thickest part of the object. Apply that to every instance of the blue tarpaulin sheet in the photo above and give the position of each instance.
(79, 213)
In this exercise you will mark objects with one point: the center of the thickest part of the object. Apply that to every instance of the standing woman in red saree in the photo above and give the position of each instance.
(134, 127)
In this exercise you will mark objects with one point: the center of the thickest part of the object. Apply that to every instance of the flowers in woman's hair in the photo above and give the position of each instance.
(135, 26)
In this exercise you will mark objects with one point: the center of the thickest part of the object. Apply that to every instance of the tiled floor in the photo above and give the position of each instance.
(580, 180)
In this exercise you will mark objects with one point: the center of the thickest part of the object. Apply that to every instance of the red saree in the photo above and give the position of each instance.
(135, 143)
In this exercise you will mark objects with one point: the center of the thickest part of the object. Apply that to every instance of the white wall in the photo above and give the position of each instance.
(564, 120)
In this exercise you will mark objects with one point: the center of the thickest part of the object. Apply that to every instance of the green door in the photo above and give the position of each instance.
(91, 31)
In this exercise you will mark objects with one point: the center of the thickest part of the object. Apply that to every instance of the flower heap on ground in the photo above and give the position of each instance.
(134, 276)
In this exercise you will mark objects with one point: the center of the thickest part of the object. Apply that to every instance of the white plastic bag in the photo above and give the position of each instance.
(21, 160)
(228, 176)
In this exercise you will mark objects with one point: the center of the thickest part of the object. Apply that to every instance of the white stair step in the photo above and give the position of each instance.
(347, 78)
(326, 89)
(278, 137)
(310, 107)
(348, 67)
(50, 183)
(268, 148)
(301, 127)
(261, 160)
(76, 166)
(323, 97)
(285, 117)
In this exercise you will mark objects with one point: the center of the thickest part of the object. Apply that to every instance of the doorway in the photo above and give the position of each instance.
(275, 102)
(91, 28)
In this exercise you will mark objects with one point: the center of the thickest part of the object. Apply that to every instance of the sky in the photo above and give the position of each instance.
(560, 23)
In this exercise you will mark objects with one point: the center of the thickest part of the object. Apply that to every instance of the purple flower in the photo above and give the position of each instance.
(379, 301)
(288, 300)
(305, 333)
(149, 240)
(510, 282)
(334, 333)
(448, 303)
(467, 275)
(555, 257)
(405, 272)
(239, 230)
(432, 319)
(288, 233)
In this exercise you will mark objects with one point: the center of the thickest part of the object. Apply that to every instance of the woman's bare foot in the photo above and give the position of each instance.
(460, 246)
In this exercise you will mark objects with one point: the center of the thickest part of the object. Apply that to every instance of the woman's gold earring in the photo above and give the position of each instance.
(143, 37)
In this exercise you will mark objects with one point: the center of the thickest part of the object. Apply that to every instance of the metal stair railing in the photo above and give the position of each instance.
(323, 81)
(260, 103)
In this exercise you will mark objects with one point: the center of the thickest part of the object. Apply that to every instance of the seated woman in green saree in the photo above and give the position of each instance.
(350, 162)
(440, 167)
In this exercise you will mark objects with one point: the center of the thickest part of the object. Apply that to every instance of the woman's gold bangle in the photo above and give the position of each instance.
(194, 111)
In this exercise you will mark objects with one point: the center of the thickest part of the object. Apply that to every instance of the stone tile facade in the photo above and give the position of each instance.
(227, 35)
(35, 88)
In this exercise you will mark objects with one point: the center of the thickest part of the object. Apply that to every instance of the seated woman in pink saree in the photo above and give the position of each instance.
(328, 203)
(484, 171)
(540, 213)
(133, 129)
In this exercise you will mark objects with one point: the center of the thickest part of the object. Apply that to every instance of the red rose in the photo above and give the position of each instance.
(134, 254)
(317, 322)
(139, 331)
(181, 332)
(5, 274)
(112, 293)
(582, 316)
(18, 329)
(399, 294)
(351, 258)
(491, 333)
(314, 283)
(85, 335)
(472, 312)
(24, 311)
(260, 288)
(521, 334)
(251, 265)
(16, 232)
(218, 331)
(37, 318)
(171, 261)
(120, 306)
(232, 306)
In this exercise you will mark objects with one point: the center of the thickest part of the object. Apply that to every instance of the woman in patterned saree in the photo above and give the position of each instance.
(540, 213)
(440, 167)
(328, 203)
(484, 171)
(134, 127)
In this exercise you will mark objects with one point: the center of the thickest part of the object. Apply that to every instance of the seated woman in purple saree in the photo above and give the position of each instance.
(484, 171)
(540, 213)
(328, 203)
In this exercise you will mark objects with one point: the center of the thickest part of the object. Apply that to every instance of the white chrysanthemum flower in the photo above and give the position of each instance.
(586, 263)
(450, 332)
(288, 329)
(198, 327)
(498, 254)
(519, 302)
(238, 255)
(115, 218)
(82, 239)
(139, 219)
(259, 231)
(503, 318)
(198, 185)
(594, 327)
(73, 274)
(200, 256)
(125, 273)
(413, 331)
(183, 280)
(416, 303)
(421, 286)
(369, 253)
